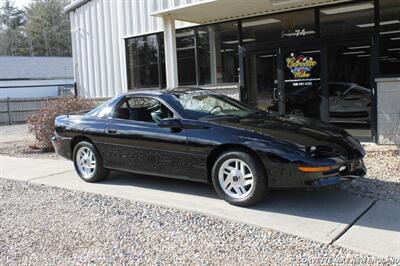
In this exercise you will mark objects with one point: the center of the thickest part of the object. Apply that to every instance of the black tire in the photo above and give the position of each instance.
(260, 183)
(99, 171)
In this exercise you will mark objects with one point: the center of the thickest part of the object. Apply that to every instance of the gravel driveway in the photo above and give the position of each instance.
(383, 177)
(17, 142)
(43, 225)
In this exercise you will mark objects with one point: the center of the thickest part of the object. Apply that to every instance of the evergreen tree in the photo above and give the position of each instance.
(48, 28)
(41, 29)
(12, 37)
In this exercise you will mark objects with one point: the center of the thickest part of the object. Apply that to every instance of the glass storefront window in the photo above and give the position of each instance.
(203, 45)
(283, 71)
(142, 54)
(291, 25)
(163, 81)
(227, 63)
(216, 48)
(186, 57)
(218, 53)
(349, 18)
(349, 87)
(390, 37)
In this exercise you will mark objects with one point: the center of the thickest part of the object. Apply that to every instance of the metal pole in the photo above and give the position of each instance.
(196, 56)
(9, 110)
(171, 67)
(76, 89)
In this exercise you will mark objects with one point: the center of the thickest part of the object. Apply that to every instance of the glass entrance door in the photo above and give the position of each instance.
(302, 81)
(285, 80)
(334, 85)
(262, 80)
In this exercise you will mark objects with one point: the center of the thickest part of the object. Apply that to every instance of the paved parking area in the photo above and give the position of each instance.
(327, 216)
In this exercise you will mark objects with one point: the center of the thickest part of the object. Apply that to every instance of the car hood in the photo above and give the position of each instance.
(299, 131)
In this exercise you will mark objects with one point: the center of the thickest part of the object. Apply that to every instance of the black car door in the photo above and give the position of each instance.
(136, 143)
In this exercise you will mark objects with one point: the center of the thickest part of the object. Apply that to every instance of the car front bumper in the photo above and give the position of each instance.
(329, 181)
(346, 171)
(288, 175)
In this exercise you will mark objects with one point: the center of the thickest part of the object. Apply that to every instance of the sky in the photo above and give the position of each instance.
(19, 3)
(22, 3)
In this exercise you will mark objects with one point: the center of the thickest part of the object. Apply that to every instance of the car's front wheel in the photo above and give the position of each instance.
(88, 162)
(239, 178)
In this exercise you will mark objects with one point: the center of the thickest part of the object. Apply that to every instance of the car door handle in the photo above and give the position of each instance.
(275, 94)
(111, 131)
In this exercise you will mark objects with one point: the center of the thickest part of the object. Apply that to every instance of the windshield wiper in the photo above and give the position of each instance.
(221, 116)
(257, 112)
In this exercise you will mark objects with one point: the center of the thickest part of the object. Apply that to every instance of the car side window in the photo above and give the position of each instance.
(356, 91)
(336, 90)
(145, 109)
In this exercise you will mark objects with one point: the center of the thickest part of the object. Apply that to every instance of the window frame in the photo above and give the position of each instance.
(195, 29)
(127, 97)
(373, 32)
(159, 36)
(378, 38)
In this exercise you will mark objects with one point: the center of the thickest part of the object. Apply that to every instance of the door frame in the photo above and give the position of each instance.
(323, 43)
(314, 46)
(279, 46)
(279, 74)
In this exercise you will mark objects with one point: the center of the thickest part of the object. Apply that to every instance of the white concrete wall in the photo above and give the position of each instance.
(34, 88)
(388, 93)
(98, 29)
(36, 92)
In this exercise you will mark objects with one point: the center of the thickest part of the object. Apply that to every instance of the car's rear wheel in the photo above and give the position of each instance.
(88, 162)
(239, 178)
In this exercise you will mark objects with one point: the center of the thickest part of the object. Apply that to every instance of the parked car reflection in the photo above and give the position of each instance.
(348, 102)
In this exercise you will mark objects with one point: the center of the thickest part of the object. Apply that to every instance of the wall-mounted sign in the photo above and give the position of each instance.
(294, 28)
(298, 33)
(302, 69)
(300, 66)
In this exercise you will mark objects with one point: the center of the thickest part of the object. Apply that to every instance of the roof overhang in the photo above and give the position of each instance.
(209, 11)
(74, 5)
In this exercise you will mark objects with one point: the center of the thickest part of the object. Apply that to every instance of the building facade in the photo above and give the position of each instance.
(35, 76)
(322, 59)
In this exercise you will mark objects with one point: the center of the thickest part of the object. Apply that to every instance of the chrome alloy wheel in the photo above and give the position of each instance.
(236, 178)
(86, 162)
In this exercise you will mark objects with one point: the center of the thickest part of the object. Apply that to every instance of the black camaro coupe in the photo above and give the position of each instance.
(204, 136)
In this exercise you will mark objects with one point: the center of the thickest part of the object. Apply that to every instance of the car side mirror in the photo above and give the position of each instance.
(173, 123)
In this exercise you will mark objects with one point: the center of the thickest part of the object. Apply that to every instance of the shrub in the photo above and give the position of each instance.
(41, 123)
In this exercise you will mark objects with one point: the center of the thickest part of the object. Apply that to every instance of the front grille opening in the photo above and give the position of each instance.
(323, 151)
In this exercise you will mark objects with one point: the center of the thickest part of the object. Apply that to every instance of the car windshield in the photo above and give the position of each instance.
(205, 105)
(104, 109)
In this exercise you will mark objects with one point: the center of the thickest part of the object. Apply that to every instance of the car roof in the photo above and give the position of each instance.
(179, 90)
